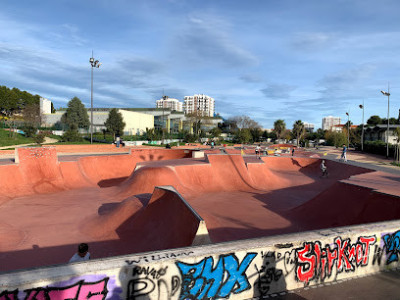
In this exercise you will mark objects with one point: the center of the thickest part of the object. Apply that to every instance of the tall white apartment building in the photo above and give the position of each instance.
(201, 103)
(329, 122)
(166, 102)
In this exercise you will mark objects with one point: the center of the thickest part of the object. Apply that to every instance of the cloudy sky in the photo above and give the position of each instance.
(267, 59)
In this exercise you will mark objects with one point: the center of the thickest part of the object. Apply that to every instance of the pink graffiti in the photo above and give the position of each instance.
(315, 261)
(78, 291)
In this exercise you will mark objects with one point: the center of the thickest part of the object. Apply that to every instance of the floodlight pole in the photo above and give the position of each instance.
(387, 130)
(91, 104)
(95, 64)
(362, 130)
(348, 129)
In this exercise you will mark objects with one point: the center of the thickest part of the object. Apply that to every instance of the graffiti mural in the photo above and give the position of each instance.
(392, 245)
(206, 280)
(156, 257)
(317, 262)
(262, 271)
(147, 280)
(79, 291)
(268, 275)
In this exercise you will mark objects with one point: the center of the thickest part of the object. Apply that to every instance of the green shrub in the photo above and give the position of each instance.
(29, 130)
(72, 135)
(378, 147)
(39, 138)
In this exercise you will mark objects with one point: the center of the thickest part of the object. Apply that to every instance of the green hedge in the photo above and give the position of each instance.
(378, 147)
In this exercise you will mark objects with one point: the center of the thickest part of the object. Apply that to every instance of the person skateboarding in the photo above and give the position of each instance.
(258, 151)
(324, 169)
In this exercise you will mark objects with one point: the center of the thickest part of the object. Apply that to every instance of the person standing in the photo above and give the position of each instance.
(118, 141)
(344, 153)
(82, 254)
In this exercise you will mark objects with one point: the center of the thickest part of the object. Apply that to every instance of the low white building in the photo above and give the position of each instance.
(135, 122)
(379, 133)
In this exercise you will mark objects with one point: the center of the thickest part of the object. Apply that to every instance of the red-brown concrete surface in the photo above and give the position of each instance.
(49, 206)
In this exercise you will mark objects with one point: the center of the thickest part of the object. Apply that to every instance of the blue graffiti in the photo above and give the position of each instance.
(392, 244)
(204, 281)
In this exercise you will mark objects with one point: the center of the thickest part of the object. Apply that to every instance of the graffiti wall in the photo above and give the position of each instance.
(232, 270)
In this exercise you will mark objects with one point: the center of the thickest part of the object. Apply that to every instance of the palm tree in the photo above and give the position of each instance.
(279, 128)
(298, 130)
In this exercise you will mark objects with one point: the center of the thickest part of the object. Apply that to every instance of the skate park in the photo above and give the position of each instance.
(227, 207)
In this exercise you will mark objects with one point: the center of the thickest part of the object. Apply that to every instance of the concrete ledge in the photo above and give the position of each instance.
(234, 270)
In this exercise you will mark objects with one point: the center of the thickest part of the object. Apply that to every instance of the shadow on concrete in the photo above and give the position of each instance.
(111, 182)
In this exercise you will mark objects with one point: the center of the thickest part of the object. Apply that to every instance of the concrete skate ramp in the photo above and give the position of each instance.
(237, 197)
(345, 204)
(38, 171)
(166, 221)
(47, 232)
(221, 173)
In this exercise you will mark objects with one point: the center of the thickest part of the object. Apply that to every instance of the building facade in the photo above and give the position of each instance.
(309, 126)
(329, 122)
(135, 122)
(378, 133)
(171, 103)
(199, 103)
(45, 106)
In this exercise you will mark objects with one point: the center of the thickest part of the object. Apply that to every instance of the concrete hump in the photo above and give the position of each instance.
(167, 221)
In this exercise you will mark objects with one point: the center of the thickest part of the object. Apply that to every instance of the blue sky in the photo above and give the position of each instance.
(267, 59)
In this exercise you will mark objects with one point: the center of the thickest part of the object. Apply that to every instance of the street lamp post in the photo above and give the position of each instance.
(163, 119)
(348, 129)
(387, 130)
(362, 132)
(95, 64)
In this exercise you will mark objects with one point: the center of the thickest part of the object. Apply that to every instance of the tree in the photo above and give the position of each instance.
(272, 135)
(72, 135)
(228, 126)
(320, 133)
(374, 120)
(336, 139)
(76, 114)
(53, 110)
(392, 121)
(31, 115)
(242, 136)
(215, 132)
(256, 134)
(151, 134)
(245, 122)
(279, 128)
(13, 100)
(115, 123)
(298, 130)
